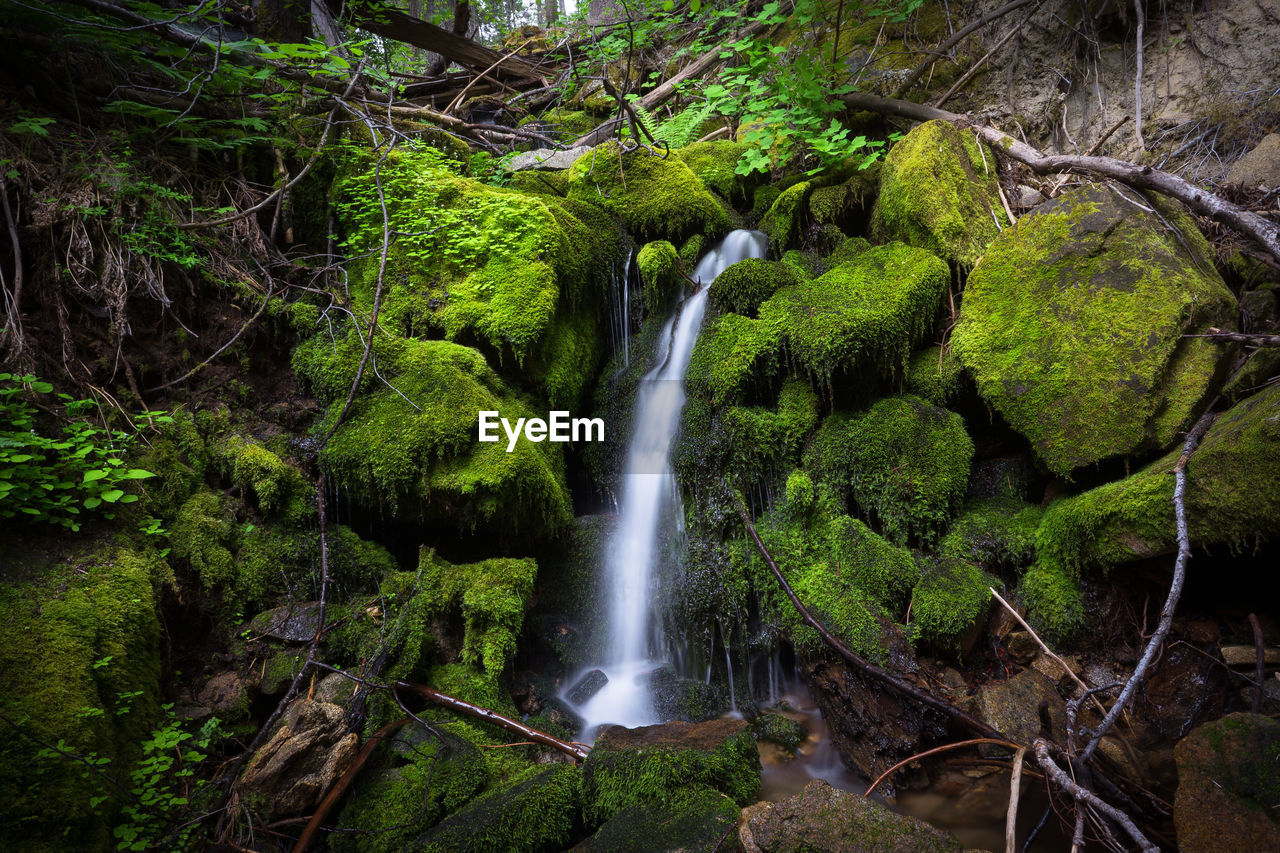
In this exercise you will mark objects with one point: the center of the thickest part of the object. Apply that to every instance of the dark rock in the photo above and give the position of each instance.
(655, 765)
(823, 819)
(302, 759)
(1013, 707)
(689, 699)
(589, 685)
(871, 727)
(539, 811)
(1185, 687)
(1228, 795)
(225, 697)
(1022, 647)
(1002, 477)
(703, 819)
(1260, 311)
(292, 623)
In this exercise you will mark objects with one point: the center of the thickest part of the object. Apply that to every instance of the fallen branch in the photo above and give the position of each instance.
(892, 681)
(1265, 232)
(1015, 790)
(1021, 750)
(1042, 645)
(1093, 149)
(1085, 796)
(959, 36)
(1240, 338)
(577, 751)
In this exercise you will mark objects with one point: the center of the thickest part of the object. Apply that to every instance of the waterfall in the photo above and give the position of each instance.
(649, 497)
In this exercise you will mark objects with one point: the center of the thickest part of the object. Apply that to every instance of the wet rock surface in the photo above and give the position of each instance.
(1228, 795)
(703, 820)
(823, 819)
(587, 686)
(302, 759)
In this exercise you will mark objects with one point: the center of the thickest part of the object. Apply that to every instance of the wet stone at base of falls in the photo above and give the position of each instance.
(586, 687)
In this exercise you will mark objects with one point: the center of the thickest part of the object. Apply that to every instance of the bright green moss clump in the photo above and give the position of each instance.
(701, 818)
(80, 667)
(938, 192)
(660, 275)
(1055, 603)
(656, 764)
(998, 534)
(785, 220)
(904, 462)
(538, 811)
(950, 600)
(657, 197)
(1074, 323)
(731, 352)
(935, 375)
(1233, 496)
(411, 449)
(742, 287)
(759, 436)
(867, 313)
(714, 163)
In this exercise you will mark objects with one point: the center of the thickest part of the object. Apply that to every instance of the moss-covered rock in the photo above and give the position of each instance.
(949, 604)
(427, 775)
(732, 351)
(1233, 497)
(934, 374)
(1074, 323)
(744, 286)
(904, 462)
(714, 163)
(998, 534)
(653, 765)
(1055, 601)
(80, 668)
(783, 223)
(410, 448)
(660, 276)
(700, 818)
(760, 438)
(539, 811)
(1229, 785)
(864, 314)
(938, 192)
(658, 198)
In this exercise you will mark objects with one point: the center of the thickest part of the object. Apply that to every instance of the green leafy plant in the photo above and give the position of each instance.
(55, 478)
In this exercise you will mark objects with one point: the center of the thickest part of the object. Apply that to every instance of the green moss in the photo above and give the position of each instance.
(427, 776)
(800, 493)
(277, 487)
(657, 198)
(761, 438)
(714, 164)
(904, 462)
(203, 535)
(1055, 602)
(624, 771)
(935, 375)
(566, 124)
(938, 192)
(784, 222)
(659, 275)
(1232, 498)
(744, 286)
(948, 602)
(700, 818)
(784, 731)
(731, 352)
(998, 534)
(691, 251)
(79, 667)
(408, 450)
(568, 359)
(538, 810)
(1073, 326)
(762, 199)
(541, 182)
(864, 314)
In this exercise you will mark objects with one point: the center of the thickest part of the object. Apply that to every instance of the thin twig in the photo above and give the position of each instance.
(1015, 789)
(1021, 750)
(1084, 796)
(1261, 659)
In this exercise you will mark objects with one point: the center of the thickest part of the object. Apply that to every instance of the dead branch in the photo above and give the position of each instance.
(1137, 77)
(577, 751)
(973, 69)
(897, 684)
(1041, 643)
(1084, 796)
(959, 36)
(1239, 338)
(1015, 790)
(1265, 232)
(1021, 750)
(1260, 662)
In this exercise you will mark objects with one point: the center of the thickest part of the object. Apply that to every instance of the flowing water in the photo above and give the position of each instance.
(649, 497)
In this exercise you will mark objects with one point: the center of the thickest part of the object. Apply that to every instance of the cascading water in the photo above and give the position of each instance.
(648, 497)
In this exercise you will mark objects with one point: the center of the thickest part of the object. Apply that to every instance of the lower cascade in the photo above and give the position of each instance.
(650, 500)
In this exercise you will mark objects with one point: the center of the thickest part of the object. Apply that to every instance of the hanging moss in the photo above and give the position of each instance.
(864, 314)
(410, 450)
(731, 352)
(744, 286)
(1055, 603)
(997, 534)
(1074, 323)
(714, 164)
(276, 487)
(568, 358)
(935, 375)
(658, 198)
(760, 438)
(949, 602)
(538, 811)
(659, 275)
(79, 667)
(784, 222)
(938, 192)
(1233, 497)
(691, 251)
(904, 462)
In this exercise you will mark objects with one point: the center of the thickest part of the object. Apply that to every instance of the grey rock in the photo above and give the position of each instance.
(302, 759)
(546, 159)
(1260, 167)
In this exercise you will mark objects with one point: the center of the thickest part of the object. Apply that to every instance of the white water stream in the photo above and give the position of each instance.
(648, 496)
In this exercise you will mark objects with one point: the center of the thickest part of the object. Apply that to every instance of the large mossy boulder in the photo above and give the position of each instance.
(408, 445)
(656, 197)
(701, 818)
(656, 765)
(1074, 325)
(1228, 795)
(1232, 497)
(538, 811)
(938, 191)
(715, 163)
(904, 463)
(80, 668)
(823, 819)
(744, 286)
